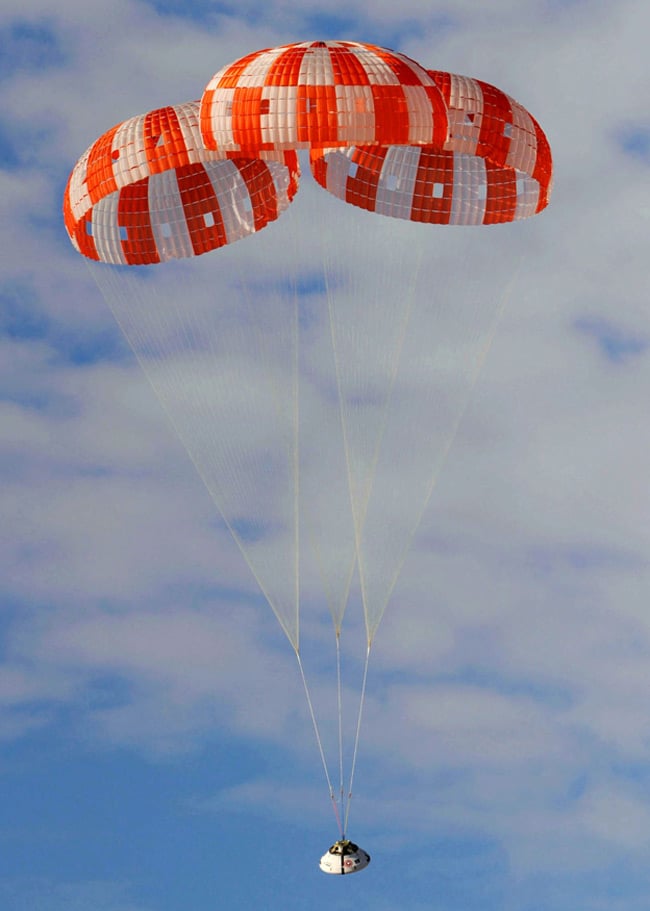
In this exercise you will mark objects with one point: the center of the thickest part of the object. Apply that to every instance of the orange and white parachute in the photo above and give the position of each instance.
(148, 191)
(495, 166)
(322, 93)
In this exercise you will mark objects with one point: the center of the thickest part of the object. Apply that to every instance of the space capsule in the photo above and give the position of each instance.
(344, 857)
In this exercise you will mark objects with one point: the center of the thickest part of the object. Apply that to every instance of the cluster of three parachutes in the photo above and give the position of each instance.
(384, 135)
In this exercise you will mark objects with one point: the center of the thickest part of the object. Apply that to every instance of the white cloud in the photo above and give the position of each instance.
(512, 662)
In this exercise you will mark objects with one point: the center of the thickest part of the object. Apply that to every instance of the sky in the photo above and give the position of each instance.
(156, 752)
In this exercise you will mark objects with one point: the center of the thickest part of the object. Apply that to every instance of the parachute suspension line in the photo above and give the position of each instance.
(296, 342)
(113, 286)
(296, 455)
(359, 510)
(262, 338)
(319, 743)
(336, 601)
(356, 740)
(453, 430)
(344, 428)
(340, 721)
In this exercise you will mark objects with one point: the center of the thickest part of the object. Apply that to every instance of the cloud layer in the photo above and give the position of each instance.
(506, 726)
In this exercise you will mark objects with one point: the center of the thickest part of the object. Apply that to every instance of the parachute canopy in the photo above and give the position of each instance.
(495, 166)
(322, 93)
(148, 191)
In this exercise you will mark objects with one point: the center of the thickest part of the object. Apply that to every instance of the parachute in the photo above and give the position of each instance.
(148, 191)
(321, 93)
(316, 374)
(494, 167)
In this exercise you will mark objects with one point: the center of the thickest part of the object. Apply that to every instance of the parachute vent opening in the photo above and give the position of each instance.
(124, 234)
(353, 167)
(160, 141)
(438, 190)
(507, 130)
(208, 219)
(89, 228)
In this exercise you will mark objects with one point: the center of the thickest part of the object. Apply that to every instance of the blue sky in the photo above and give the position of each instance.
(155, 750)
